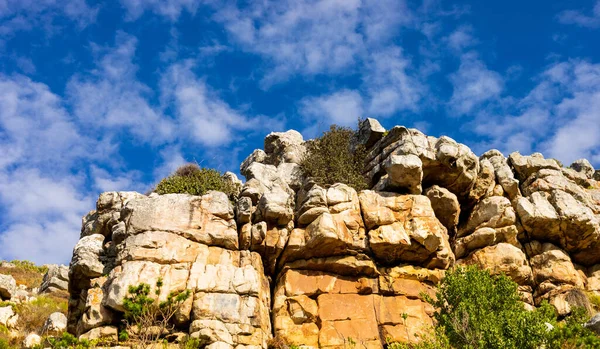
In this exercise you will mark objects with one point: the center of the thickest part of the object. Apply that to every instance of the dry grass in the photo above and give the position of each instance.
(32, 315)
(25, 273)
(595, 301)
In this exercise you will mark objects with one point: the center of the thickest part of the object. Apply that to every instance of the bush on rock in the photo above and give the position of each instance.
(476, 310)
(329, 160)
(194, 180)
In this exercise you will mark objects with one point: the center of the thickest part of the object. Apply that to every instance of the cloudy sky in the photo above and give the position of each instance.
(99, 96)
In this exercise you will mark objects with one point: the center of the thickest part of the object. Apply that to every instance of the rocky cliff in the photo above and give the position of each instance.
(322, 266)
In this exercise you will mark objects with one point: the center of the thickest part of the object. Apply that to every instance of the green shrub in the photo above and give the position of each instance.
(571, 333)
(4, 344)
(191, 179)
(191, 343)
(67, 341)
(147, 318)
(328, 159)
(477, 310)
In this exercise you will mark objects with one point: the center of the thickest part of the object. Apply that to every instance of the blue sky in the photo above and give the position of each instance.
(99, 96)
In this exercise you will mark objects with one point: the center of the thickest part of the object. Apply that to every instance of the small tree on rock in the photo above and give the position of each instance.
(147, 318)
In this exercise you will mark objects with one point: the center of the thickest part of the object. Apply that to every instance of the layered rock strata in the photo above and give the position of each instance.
(327, 266)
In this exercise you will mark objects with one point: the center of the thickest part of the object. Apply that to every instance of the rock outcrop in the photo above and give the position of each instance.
(321, 266)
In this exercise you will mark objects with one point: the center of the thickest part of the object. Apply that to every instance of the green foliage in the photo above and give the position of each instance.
(475, 309)
(329, 160)
(67, 340)
(571, 333)
(191, 179)
(4, 344)
(123, 336)
(191, 343)
(146, 317)
(478, 310)
(435, 340)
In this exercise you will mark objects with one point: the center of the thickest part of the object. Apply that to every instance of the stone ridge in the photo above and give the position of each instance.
(319, 266)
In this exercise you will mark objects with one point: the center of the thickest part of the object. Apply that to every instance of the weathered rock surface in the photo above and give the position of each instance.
(55, 279)
(31, 340)
(8, 318)
(404, 228)
(56, 323)
(444, 161)
(318, 264)
(8, 287)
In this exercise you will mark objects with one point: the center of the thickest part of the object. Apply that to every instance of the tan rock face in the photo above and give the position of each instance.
(325, 266)
(557, 209)
(357, 309)
(190, 243)
(444, 161)
(403, 228)
(503, 258)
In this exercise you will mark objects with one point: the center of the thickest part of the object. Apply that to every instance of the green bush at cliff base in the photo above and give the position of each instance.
(475, 309)
(329, 160)
(191, 179)
(478, 310)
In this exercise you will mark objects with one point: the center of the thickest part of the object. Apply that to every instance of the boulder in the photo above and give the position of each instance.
(503, 173)
(405, 173)
(445, 205)
(8, 287)
(31, 340)
(502, 258)
(583, 166)
(403, 228)
(257, 155)
(55, 279)
(370, 132)
(491, 212)
(554, 266)
(6, 316)
(87, 260)
(104, 332)
(283, 147)
(336, 226)
(594, 324)
(56, 323)
(444, 161)
(485, 183)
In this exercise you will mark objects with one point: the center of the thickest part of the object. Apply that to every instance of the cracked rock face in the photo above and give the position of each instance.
(318, 264)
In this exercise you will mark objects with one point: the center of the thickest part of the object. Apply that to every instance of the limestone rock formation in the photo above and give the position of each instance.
(8, 287)
(55, 279)
(317, 264)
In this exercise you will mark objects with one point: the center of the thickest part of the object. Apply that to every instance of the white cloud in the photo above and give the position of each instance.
(473, 84)
(343, 108)
(201, 114)
(171, 9)
(461, 38)
(25, 15)
(558, 116)
(313, 37)
(42, 195)
(111, 97)
(390, 85)
(577, 17)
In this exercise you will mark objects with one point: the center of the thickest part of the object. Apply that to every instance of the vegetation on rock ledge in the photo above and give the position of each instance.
(194, 180)
(329, 160)
(475, 309)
